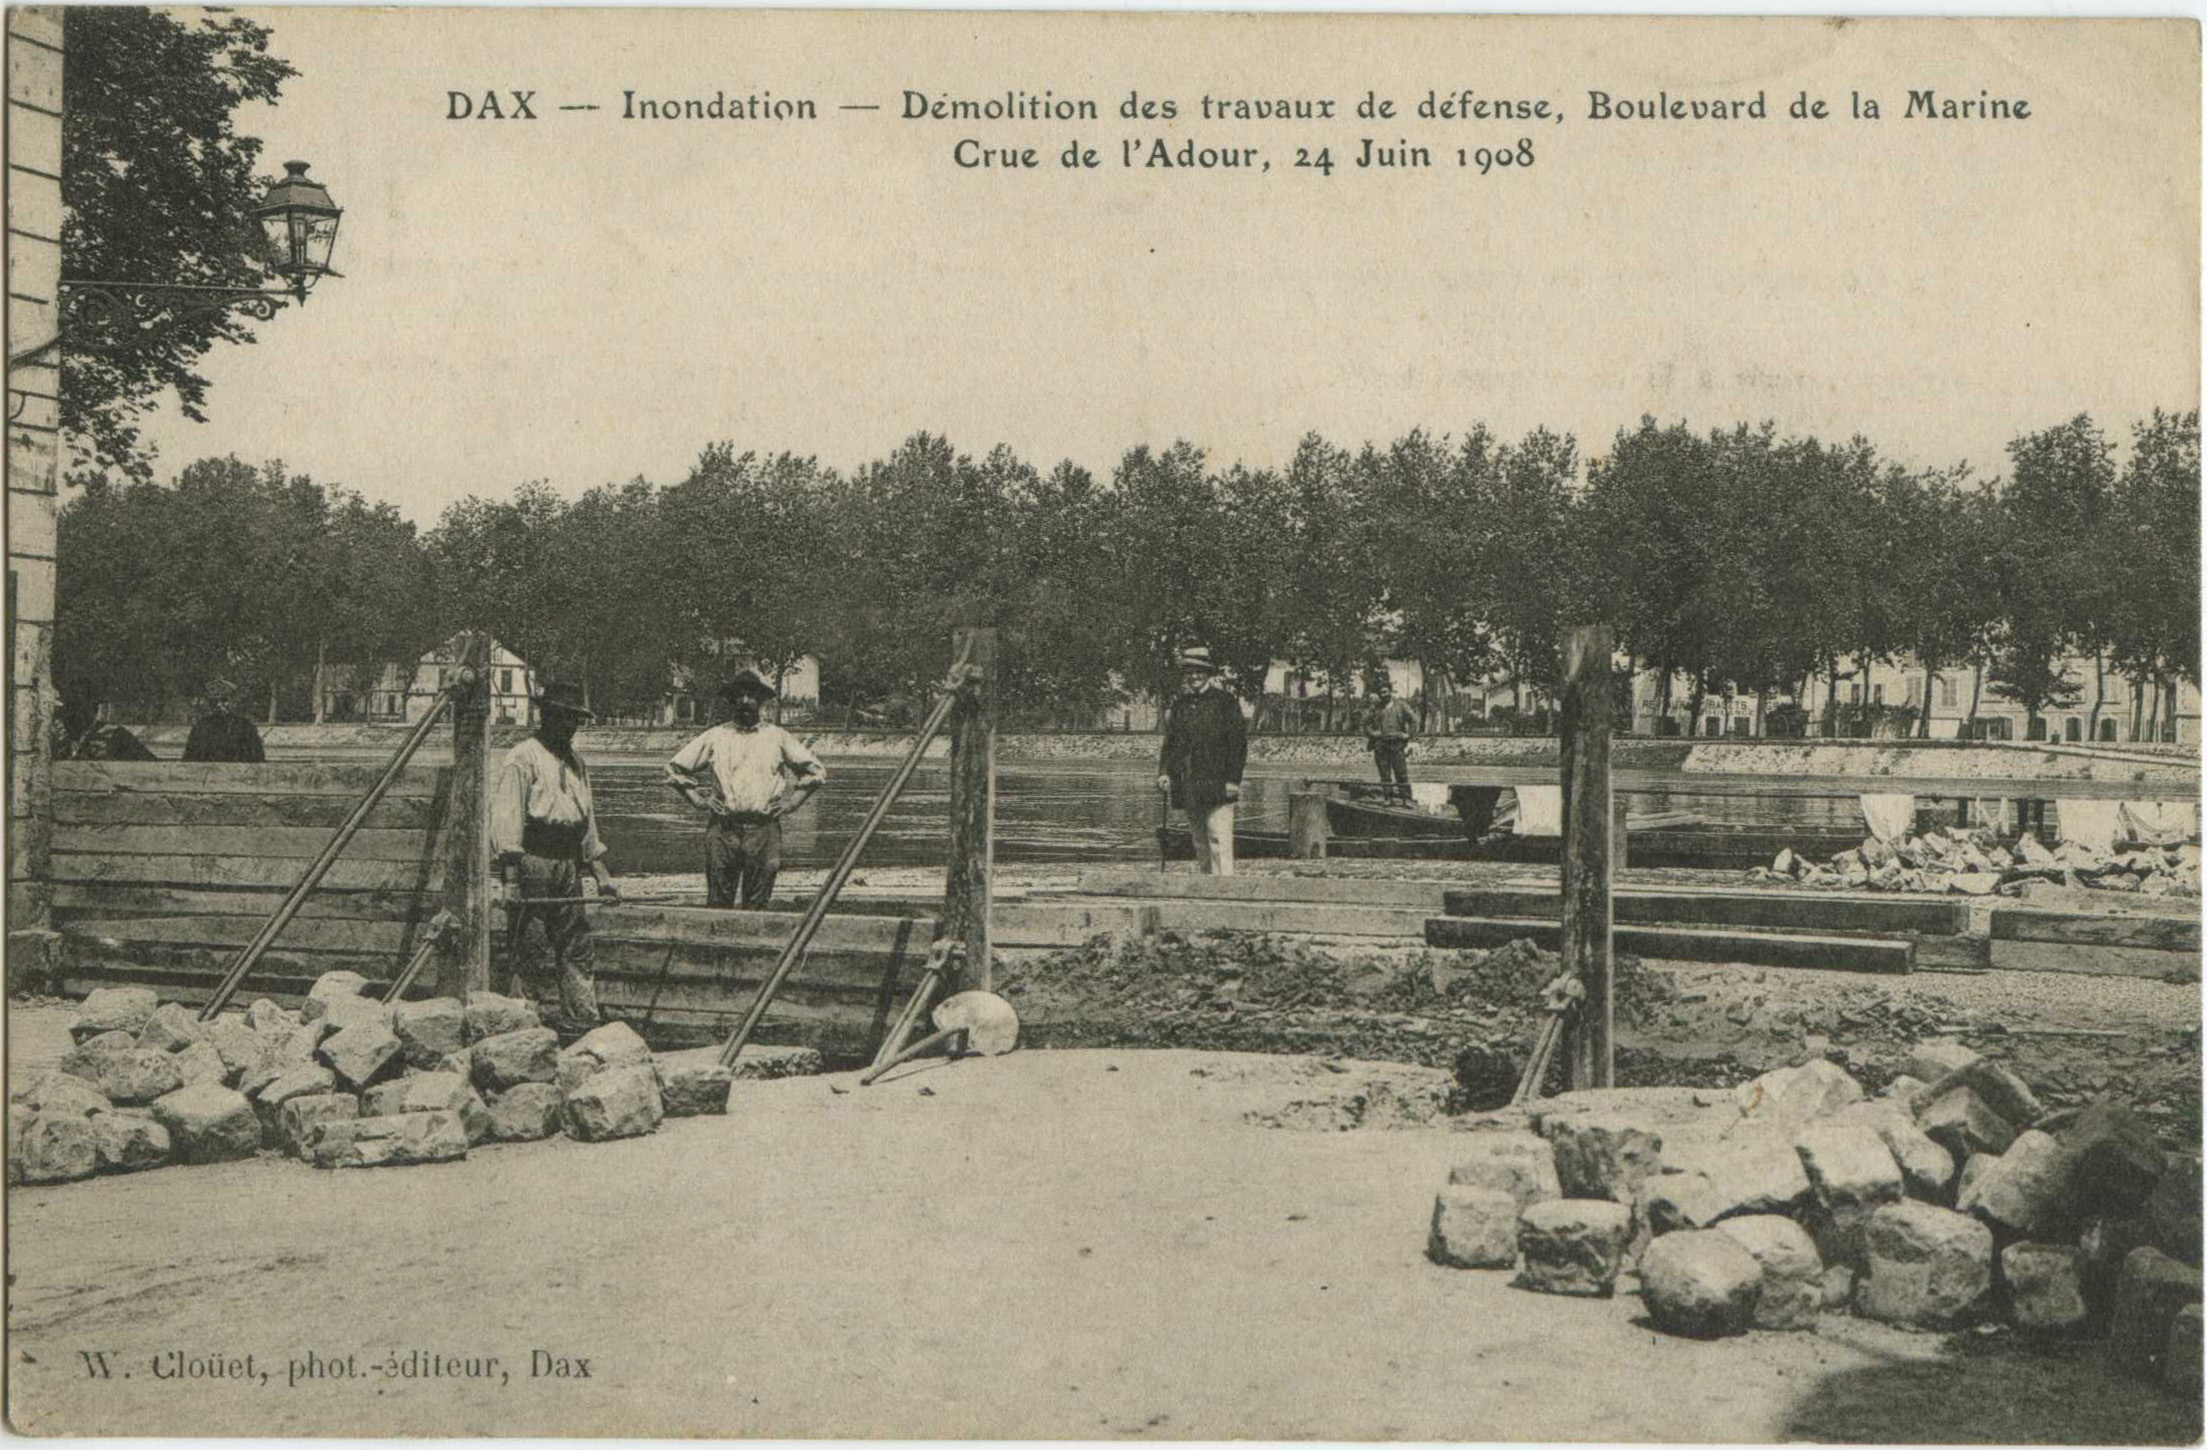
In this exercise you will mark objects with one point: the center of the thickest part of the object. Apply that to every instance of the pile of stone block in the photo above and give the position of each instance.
(1974, 863)
(1952, 1198)
(343, 1082)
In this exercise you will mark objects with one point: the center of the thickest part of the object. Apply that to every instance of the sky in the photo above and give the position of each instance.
(584, 299)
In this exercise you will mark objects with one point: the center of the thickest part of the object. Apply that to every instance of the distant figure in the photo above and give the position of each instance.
(1393, 724)
(219, 736)
(543, 836)
(83, 732)
(1206, 746)
(735, 773)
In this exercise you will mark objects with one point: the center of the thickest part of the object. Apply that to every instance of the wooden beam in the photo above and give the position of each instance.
(279, 872)
(972, 865)
(1691, 944)
(305, 934)
(1119, 881)
(237, 808)
(2154, 933)
(165, 777)
(464, 844)
(300, 842)
(1589, 820)
(1797, 911)
(98, 898)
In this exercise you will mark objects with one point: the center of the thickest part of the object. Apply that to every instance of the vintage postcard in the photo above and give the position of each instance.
(1102, 725)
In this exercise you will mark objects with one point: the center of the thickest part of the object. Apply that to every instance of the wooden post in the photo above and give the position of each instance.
(1620, 836)
(1308, 830)
(464, 966)
(1587, 828)
(972, 867)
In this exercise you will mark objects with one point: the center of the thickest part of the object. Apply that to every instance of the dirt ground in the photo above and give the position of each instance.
(1080, 1243)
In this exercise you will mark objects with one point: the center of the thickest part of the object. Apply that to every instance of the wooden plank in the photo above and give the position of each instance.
(1842, 787)
(151, 964)
(1060, 923)
(768, 929)
(1830, 915)
(1119, 881)
(2153, 933)
(237, 808)
(1690, 944)
(96, 898)
(302, 934)
(302, 842)
(463, 848)
(285, 778)
(739, 969)
(2093, 961)
(279, 872)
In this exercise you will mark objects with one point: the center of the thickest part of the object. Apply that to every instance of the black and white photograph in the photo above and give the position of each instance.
(1101, 725)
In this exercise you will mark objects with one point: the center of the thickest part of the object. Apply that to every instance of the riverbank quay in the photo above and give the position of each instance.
(1884, 759)
(834, 1261)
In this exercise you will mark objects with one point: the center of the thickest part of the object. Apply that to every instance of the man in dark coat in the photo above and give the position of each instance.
(1389, 732)
(219, 735)
(1206, 746)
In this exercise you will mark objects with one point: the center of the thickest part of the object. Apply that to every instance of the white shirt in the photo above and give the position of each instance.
(744, 767)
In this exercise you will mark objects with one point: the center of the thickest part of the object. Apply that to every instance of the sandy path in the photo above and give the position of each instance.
(1053, 1244)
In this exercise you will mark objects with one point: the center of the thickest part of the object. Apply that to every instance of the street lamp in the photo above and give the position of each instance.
(297, 228)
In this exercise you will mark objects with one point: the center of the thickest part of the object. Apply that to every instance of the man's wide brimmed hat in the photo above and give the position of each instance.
(221, 689)
(747, 685)
(1198, 658)
(564, 696)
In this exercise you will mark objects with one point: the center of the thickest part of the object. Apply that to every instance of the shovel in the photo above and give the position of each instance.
(984, 1021)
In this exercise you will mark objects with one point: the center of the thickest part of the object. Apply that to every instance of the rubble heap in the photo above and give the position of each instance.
(1977, 864)
(1951, 1199)
(346, 1081)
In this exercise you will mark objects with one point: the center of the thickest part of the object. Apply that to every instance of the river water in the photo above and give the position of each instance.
(1045, 811)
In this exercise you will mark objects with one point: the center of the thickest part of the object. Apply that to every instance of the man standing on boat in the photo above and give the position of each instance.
(221, 736)
(1206, 746)
(1392, 726)
(734, 773)
(543, 836)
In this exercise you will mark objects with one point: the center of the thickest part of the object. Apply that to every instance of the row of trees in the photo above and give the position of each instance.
(1735, 562)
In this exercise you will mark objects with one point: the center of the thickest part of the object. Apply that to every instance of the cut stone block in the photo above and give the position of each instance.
(362, 1054)
(620, 1102)
(430, 1030)
(763, 1063)
(305, 1080)
(62, 1094)
(426, 1092)
(129, 1142)
(525, 1113)
(2045, 1287)
(1671, 1202)
(1927, 1266)
(172, 1027)
(267, 1018)
(297, 1119)
(1902, 1088)
(2172, 1209)
(1961, 1123)
(1473, 1228)
(1756, 1176)
(340, 1013)
(200, 1062)
(1700, 1282)
(1934, 1059)
(59, 1148)
(208, 1123)
(1603, 1155)
(127, 1077)
(2000, 1090)
(2115, 1159)
(114, 1009)
(1573, 1245)
(1792, 1271)
(529, 1054)
(1519, 1164)
(2180, 1363)
(1837, 1285)
(1851, 1176)
(490, 1015)
(239, 1046)
(330, 987)
(1926, 1169)
(1792, 1096)
(2101, 1249)
(400, 1141)
(2149, 1293)
(695, 1085)
(2026, 1190)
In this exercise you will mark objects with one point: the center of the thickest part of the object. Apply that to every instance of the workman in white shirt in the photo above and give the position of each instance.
(745, 776)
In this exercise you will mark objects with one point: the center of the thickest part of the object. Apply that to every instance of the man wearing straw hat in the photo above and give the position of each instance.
(1206, 746)
(735, 773)
(221, 736)
(544, 835)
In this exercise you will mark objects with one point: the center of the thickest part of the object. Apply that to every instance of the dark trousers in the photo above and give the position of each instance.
(566, 937)
(741, 862)
(1393, 759)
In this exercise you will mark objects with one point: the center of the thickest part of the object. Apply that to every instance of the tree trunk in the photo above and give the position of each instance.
(781, 679)
(321, 679)
(2137, 706)
(1663, 698)
(2099, 697)
(1694, 702)
(1762, 709)
(1976, 697)
(1831, 700)
(271, 701)
(1930, 683)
